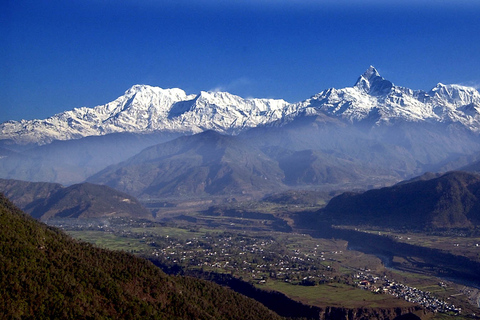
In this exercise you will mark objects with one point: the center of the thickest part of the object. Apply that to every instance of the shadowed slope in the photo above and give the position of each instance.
(449, 201)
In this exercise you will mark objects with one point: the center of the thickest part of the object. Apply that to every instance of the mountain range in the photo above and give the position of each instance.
(143, 108)
(209, 163)
(155, 142)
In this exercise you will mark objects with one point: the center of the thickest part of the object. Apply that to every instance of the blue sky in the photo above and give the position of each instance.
(58, 55)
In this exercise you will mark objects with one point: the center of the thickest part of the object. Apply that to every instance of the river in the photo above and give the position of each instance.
(444, 265)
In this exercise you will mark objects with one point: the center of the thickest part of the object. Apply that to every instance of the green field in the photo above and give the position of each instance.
(335, 294)
(110, 241)
(177, 233)
(455, 243)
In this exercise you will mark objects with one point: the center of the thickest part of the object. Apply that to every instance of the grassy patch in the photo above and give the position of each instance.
(110, 240)
(335, 294)
(177, 233)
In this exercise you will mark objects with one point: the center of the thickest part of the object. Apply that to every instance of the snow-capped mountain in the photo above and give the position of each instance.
(135, 111)
(147, 109)
(378, 100)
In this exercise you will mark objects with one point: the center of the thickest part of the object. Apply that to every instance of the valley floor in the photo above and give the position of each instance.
(316, 271)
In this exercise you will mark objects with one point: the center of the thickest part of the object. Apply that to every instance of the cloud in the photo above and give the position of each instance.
(472, 84)
(240, 84)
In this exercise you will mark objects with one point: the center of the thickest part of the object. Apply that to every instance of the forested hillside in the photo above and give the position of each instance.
(44, 274)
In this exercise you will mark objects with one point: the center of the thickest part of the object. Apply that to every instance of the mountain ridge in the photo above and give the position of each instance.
(214, 164)
(146, 109)
(431, 201)
(43, 200)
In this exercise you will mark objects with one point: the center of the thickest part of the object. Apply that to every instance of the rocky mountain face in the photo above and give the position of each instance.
(451, 200)
(147, 109)
(51, 200)
(206, 163)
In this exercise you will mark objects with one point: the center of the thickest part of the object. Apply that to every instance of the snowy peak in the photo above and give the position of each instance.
(370, 74)
(455, 94)
(379, 101)
(372, 83)
(145, 109)
(225, 112)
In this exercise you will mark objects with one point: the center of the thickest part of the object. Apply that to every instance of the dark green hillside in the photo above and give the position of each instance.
(45, 200)
(300, 197)
(44, 274)
(449, 201)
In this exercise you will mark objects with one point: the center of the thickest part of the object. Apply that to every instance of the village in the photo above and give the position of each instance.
(262, 261)
(384, 285)
(259, 258)
(248, 257)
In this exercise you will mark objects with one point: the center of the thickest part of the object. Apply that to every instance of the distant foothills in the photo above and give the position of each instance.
(43, 200)
(428, 202)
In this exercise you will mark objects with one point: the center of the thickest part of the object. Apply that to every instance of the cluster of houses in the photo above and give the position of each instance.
(424, 298)
(256, 258)
(262, 258)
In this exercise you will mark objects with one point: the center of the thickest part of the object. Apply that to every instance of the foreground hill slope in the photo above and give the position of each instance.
(47, 275)
(449, 201)
(45, 200)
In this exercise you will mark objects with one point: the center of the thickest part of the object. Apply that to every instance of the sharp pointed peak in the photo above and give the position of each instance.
(372, 83)
(371, 73)
(368, 76)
